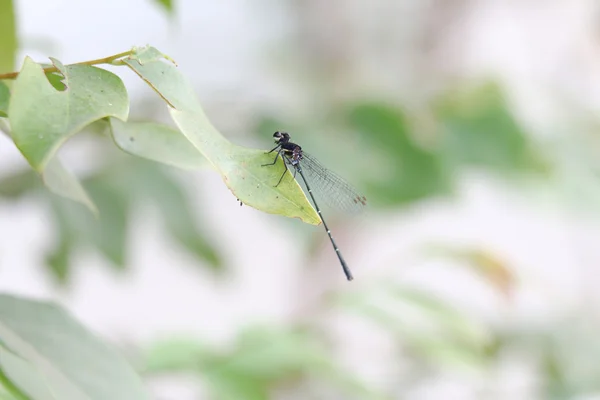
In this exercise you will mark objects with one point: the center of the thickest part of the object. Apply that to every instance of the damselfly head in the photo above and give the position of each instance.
(281, 137)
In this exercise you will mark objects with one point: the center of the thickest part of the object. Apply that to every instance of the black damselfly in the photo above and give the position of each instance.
(337, 192)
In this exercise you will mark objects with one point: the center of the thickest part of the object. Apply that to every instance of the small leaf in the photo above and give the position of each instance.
(4, 98)
(73, 363)
(63, 183)
(156, 142)
(42, 118)
(167, 5)
(8, 36)
(239, 167)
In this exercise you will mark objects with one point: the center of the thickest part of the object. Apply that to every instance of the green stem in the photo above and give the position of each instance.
(105, 60)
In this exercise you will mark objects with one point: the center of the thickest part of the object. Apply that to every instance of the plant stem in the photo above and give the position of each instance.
(105, 60)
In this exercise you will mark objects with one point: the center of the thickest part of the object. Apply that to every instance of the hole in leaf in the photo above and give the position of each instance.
(56, 80)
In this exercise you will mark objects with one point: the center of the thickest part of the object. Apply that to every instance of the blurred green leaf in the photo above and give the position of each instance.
(67, 358)
(8, 36)
(42, 118)
(4, 98)
(63, 183)
(239, 167)
(59, 257)
(157, 186)
(19, 183)
(109, 232)
(116, 188)
(76, 227)
(408, 172)
(478, 129)
(167, 5)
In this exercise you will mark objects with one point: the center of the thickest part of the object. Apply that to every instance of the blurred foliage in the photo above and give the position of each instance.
(566, 352)
(485, 263)
(118, 189)
(405, 157)
(262, 361)
(478, 130)
(422, 324)
(413, 156)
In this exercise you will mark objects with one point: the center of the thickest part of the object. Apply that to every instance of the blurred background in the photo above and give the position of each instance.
(470, 126)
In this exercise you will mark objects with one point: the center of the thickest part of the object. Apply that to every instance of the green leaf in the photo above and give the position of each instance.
(63, 183)
(416, 173)
(156, 142)
(4, 98)
(478, 129)
(8, 36)
(19, 184)
(43, 118)
(73, 363)
(239, 167)
(108, 233)
(155, 185)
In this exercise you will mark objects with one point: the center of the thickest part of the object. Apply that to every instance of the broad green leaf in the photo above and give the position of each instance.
(239, 167)
(62, 182)
(43, 118)
(8, 36)
(4, 98)
(74, 363)
(157, 142)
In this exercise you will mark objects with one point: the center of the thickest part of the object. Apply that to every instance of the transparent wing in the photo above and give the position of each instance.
(329, 187)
